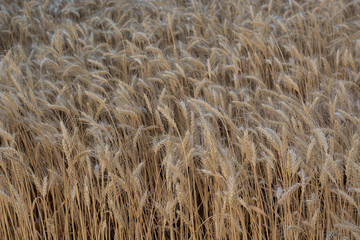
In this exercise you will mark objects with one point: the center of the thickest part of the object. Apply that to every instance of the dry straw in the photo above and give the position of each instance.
(179, 119)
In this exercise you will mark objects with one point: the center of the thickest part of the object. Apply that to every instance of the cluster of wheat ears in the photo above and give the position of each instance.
(179, 119)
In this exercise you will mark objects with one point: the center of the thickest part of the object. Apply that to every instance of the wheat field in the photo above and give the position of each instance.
(179, 119)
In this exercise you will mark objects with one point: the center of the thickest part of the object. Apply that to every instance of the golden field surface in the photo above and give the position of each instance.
(180, 119)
